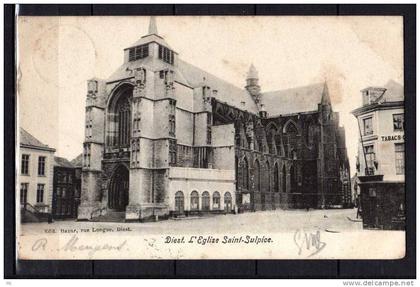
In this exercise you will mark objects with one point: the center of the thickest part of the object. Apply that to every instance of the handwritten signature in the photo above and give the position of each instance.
(73, 245)
(308, 241)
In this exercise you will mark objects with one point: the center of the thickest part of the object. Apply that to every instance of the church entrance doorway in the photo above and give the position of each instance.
(118, 189)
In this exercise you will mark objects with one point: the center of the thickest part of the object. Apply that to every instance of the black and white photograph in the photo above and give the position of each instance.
(210, 137)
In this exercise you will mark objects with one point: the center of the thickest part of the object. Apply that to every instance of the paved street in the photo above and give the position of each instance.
(257, 222)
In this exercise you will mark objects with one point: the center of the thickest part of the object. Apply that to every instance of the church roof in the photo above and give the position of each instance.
(194, 77)
(226, 92)
(28, 140)
(77, 162)
(62, 162)
(294, 100)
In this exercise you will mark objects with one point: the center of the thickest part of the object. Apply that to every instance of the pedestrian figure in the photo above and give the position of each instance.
(359, 212)
(359, 208)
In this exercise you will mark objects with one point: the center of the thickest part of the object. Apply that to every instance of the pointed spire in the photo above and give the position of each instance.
(152, 26)
(252, 72)
(325, 94)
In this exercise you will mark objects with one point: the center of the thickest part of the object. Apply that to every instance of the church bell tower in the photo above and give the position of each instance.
(252, 84)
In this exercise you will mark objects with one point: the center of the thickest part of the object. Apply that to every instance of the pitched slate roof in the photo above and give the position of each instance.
(226, 92)
(394, 92)
(302, 99)
(77, 162)
(28, 140)
(294, 100)
(62, 162)
(194, 77)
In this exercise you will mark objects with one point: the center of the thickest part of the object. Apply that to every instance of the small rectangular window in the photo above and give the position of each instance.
(40, 193)
(41, 166)
(398, 121)
(367, 126)
(23, 193)
(400, 158)
(25, 164)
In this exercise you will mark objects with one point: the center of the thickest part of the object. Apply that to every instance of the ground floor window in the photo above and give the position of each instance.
(370, 160)
(399, 158)
(216, 200)
(40, 193)
(206, 201)
(194, 200)
(228, 202)
(23, 193)
(179, 202)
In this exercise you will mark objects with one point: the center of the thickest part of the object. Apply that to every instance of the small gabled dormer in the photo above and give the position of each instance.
(151, 45)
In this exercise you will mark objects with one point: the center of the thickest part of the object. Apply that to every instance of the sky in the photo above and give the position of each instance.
(57, 55)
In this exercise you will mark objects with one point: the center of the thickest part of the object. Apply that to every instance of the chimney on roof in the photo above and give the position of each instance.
(252, 84)
(372, 95)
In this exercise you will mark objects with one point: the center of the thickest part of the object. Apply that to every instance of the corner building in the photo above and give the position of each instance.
(381, 148)
(164, 137)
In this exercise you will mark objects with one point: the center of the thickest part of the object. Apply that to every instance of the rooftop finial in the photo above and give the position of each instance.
(153, 26)
(252, 72)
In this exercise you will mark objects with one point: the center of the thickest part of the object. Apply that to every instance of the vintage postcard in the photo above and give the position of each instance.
(234, 137)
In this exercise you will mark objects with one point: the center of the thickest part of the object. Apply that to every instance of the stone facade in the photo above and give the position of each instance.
(164, 137)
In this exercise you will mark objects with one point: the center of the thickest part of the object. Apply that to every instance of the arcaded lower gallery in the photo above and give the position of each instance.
(165, 138)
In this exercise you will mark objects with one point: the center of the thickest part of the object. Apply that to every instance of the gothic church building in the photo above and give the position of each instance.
(165, 138)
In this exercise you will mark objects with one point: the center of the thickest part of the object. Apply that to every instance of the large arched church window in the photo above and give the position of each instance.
(284, 178)
(268, 174)
(257, 176)
(245, 174)
(273, 139)
(124, 120)
(276, 177)
(119, 118)
(290, 136)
